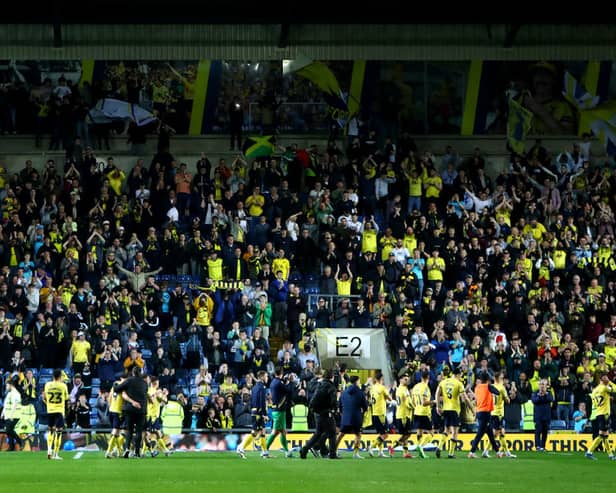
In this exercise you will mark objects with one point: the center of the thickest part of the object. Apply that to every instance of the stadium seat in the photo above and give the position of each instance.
(558, 424)
(46, 372)
(43, 379)
(96, 382)
(146, 353)
(296, 277)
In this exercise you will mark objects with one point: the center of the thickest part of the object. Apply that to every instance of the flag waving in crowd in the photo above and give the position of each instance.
(595, 117)
(518, 125)
(258, 146)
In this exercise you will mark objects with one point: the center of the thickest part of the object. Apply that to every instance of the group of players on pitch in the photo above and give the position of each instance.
(56, 399)
(414, 410)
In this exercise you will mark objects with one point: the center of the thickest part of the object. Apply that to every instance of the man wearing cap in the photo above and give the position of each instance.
(80, 352)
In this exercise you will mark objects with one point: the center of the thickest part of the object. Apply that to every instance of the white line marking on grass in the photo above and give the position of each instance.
(78, 455)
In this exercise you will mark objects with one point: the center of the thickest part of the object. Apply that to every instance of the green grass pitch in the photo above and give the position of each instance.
(531, 472)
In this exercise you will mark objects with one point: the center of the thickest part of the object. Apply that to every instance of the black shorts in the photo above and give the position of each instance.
(55, 420)
(451, 418)
(154, 425)
(379, 424)
(601, 422)
(497, 422)
(258, 423)
(422, 423)
(356, 430)
(115, 420)
(405, 425)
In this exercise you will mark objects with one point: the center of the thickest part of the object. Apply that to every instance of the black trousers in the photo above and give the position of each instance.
(11, 434)
(541, 432)
(325, 430)
(235, 135)
(134, 427)
(483, 428)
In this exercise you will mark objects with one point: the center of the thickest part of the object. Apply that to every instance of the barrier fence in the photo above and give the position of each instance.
(97, 440)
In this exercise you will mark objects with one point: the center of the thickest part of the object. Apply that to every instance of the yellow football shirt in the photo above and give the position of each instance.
(451, 388)
(421, 392)
(153, 408)
(56, 395)
(600, 397)
(378, 396)
(405, 404)
(499, 401)
(115, 401)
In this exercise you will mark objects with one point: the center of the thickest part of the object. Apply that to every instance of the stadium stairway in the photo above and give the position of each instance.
(275, 345)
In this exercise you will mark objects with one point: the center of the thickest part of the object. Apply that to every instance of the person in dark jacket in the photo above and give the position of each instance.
(353, 404)
(542, 401)
(134, 392)
(258, 411)
(281, 389)
(323, 404)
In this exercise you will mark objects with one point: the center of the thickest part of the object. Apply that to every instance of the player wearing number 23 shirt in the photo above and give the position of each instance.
(55, 397)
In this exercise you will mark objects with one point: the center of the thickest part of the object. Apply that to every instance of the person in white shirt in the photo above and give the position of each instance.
(317, 192)
(401, 253)
(173, 214)
(62, 90)
(305, 355)
(480, 202)
(293, 227)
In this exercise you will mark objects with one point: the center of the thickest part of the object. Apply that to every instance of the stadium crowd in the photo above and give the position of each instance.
(192, 271)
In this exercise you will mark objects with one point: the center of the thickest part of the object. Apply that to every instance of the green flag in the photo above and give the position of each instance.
(258, 146)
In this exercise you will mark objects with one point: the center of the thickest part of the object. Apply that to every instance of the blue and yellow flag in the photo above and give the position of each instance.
(258, 146)
(600, 119)
(518, 125)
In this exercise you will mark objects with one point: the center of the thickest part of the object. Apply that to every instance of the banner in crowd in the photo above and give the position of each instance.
(220, 442)
(358, 348)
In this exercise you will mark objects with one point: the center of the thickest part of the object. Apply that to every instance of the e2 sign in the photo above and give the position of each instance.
(350, 347)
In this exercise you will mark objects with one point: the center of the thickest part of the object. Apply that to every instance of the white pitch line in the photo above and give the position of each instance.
(78, 455)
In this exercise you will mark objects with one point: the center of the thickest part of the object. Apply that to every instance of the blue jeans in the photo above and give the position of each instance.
(414, 203)
(563, 412)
